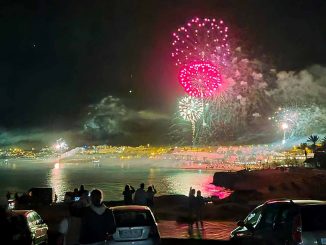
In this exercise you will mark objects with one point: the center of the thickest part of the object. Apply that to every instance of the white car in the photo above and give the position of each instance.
(134, 225)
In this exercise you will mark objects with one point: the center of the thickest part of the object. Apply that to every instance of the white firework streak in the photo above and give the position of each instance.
(190, 108)
(301, 120)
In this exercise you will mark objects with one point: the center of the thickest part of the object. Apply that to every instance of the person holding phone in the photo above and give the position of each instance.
(127, 194)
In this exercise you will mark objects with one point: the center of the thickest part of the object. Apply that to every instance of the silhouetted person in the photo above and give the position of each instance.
(127, 194)
(8, 195)
(192, 202)
(82, 190)
(97, 222)
(25, 198)
(151, 191)
(6, 228)
(199, 205)
(69, 228)
(55, 197)
(191, 209)
(140, 196)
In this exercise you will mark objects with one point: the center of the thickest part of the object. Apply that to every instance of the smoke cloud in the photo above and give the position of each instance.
(304, 87)
(112, 121)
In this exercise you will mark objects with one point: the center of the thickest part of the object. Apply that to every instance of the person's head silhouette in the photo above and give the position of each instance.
(96, 197)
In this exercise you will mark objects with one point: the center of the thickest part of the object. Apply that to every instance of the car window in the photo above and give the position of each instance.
(37, 218)
(313, 217)
(31, 219)
(286, 214)
(270, 214)
(254, 217)
(133, 218)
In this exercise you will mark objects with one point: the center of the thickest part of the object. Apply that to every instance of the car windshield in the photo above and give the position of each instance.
(313, 217)
(133, 218)
(254, 217)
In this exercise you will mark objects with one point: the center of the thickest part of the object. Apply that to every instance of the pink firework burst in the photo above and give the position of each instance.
(201, 39)
(200, 78)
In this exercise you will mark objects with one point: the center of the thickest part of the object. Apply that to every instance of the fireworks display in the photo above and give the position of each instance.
(201, 39)
(228, 101)
(235, 90)
(200, 79)
(299, 120)
(60, 145)
(287, 118)
(190, 108)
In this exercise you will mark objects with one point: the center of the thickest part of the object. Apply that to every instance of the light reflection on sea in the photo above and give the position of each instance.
(108, 175)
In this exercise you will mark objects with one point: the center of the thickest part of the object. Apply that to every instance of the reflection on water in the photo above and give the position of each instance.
(110, 176)
(57, 180)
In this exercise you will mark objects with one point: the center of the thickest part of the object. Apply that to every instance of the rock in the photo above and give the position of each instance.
(244, 196)
(226, 179)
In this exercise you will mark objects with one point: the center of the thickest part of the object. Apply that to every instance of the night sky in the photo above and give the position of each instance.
(59, 57)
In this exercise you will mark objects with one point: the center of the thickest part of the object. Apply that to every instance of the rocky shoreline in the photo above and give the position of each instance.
(295, 183)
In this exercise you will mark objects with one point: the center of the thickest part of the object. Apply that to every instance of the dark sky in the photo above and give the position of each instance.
(59, 56)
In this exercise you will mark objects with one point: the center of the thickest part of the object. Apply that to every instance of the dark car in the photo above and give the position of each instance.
(284, 221)
(135, 225)
(28, 227)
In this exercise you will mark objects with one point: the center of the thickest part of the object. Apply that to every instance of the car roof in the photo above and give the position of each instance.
(298, 202)
(21, 212)
(309, 202)
(130, 208)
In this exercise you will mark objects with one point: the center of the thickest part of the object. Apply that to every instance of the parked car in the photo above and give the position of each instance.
(29, 228)
(285, 222)
(135, 225)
